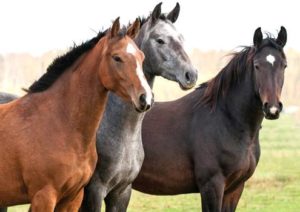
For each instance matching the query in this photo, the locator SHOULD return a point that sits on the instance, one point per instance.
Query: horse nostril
(265, 106)
(143, 100)
(188, 76)
(280, 106)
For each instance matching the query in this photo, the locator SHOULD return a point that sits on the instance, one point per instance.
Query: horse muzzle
(145, 103)
(272, 111)
(188, 80)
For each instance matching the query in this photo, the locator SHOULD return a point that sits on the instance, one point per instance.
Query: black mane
(229, 76)
(61, 63)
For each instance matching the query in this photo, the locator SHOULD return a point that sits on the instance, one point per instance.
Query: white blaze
(273, 110)
(130, 49)
(144, 82)
(139, 71)
(271, 59)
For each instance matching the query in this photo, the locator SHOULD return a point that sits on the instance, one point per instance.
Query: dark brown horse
(47, 138)
(207, 141)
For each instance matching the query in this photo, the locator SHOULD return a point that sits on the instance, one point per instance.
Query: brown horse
(207, 141)
(47, 138)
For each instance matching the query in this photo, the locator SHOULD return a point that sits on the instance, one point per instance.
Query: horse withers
(47, 139)
(208, 140)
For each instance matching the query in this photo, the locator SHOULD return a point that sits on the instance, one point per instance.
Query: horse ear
(173, 15)
(258, 37)
(134, 29)
(156, 12)
(282, 37)
(115, 28)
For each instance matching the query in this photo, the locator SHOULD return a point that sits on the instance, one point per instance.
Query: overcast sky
(37, 26)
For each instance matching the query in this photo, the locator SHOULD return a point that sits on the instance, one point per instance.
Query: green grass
(274, 187)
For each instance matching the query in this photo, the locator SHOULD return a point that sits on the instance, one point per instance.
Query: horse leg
(117, 201)
(71, 205)
(230, 200)
(44, 200)
(212, 194)
(93, 197)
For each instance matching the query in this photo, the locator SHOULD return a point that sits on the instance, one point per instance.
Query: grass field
(275, 186)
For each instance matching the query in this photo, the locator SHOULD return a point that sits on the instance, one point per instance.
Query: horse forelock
(271, 42)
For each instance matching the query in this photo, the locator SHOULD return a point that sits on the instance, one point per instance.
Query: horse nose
(145, 104)
(265, 107)
(188, 77)
(272, 110)
(191, 77)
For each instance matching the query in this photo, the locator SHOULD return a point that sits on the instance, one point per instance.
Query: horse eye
(117, 58)
(256, 67)
(160, 41)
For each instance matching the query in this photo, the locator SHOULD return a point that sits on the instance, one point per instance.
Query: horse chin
(185, 87)
(271, 116)
(139, 110)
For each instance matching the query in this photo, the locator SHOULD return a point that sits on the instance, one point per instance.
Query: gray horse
(119, 144)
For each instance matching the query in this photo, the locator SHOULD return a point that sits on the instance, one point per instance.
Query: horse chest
(120, 150)
(77, 172)
(130, 161)
(244, 166)
(124, 167)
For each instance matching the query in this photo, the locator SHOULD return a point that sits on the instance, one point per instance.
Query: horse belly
(166, 179)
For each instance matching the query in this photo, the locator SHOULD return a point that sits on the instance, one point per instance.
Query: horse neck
(80, 97)
(242, 105)
(121, 118)
(148, 72)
